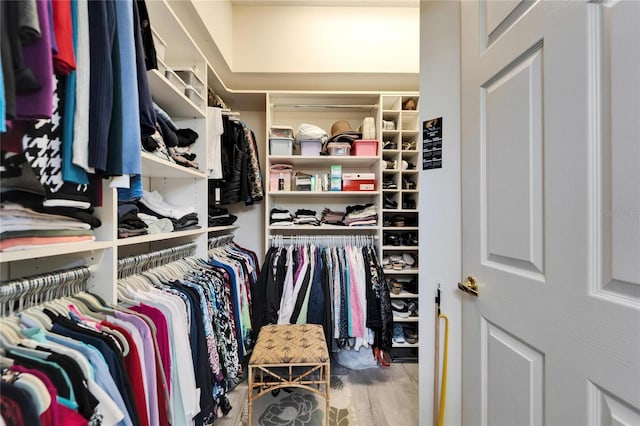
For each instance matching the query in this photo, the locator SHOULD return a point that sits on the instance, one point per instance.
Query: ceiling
(329, 3)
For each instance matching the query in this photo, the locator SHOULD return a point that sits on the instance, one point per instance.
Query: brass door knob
(470, 285)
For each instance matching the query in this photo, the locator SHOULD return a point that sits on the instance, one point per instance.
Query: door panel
(620, 94)
(551, 212)
(511, 116)
(514, 376)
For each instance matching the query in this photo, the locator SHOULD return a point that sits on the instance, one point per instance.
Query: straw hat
(340, 126)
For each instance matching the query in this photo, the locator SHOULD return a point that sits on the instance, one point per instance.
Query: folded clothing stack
(306, 217)
(220, 216)
(280, 217)
(361, 215)
(332, 217)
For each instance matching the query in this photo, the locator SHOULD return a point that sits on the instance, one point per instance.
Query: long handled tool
(440, 395)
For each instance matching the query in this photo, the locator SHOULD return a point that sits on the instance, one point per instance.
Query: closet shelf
(325, 160)
(323, 194)
(170, 98)
(153, 166)
(401, 271)
(324, 227)
(54, 250)
(159, 237)
(405, 345)
(404, 295)
(400, 228)
(222, 228)
(403, 319)
(400, 248)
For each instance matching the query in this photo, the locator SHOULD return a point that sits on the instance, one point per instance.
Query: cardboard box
(358, 182)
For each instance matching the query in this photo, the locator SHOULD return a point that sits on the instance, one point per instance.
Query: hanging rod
(327, 240)
(220, 240)
(142, 262)
(36, 289)
(326, 106)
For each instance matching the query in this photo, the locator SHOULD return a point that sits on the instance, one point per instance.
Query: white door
(551, 212)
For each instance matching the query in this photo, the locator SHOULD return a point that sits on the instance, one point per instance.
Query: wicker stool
(291, 355)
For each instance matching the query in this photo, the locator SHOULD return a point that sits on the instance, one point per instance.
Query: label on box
(367, 187)
(355, 176)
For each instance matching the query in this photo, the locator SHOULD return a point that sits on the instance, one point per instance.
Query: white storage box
(193, 95)
(310, 147)
(190, 78)
(175, 80)
(280, 146)
(281, 131)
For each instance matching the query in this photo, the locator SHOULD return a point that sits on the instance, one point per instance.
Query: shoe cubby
(400, 230)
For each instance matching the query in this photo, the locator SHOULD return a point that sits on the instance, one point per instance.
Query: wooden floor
(382, 396)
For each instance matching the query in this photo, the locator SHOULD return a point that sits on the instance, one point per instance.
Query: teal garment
(71, 172)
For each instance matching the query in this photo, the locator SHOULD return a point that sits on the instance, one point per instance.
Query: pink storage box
(363, 147)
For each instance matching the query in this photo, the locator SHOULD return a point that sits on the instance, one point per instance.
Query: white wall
(218, 16)
(324, 39)
(440, 223)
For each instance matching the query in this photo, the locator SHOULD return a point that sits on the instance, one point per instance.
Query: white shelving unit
(177, 185)
(400, 172)
(320, 109)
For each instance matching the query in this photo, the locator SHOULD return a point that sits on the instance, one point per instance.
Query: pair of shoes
(410, 333)
(409, 145)
(408, 204)
(398, 333)
(400, 308)
(390, 145)
(409, 105)
(410, 286)
(412, 308)
(408, 184)
(410, 239)
(396, 287)
(388, 125)
(382, 357)
(389, 184)
(390, 239)
(406, 165)
(408, 259)
(390, 164)
(389, 203)
(398, 221)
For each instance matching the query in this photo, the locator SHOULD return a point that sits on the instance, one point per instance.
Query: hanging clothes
(340, 287)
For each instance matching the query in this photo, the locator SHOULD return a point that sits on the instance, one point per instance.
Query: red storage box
(364, 147)
(358, 182)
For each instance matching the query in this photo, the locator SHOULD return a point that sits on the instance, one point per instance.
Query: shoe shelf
(401, 271)
(399, 248)
(397, 318)
(400, 167)
(400, 228)
(404, 295)
(405, 345)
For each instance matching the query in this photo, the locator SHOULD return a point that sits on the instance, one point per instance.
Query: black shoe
(389, 203)
(409, 204)
(410, 239)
